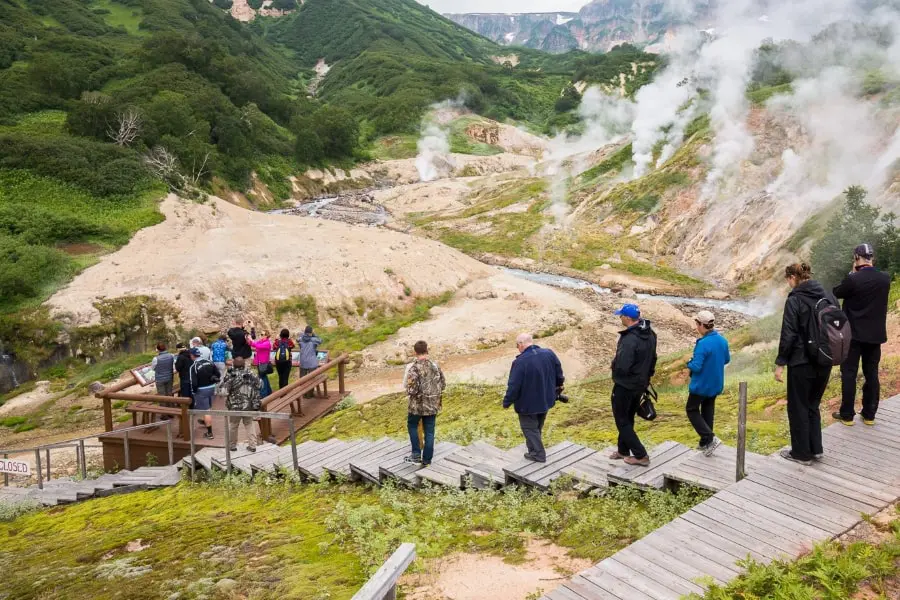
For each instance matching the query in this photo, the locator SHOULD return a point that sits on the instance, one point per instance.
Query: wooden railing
(114, 393)
(293, 392)
(383, 584)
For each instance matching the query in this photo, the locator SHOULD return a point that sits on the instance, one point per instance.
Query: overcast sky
(504, 6)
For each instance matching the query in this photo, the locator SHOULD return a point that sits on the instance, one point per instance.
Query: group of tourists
(235, 367)
(816, 335)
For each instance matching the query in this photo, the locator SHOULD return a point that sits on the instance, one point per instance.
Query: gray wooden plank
(818, 514)
(369, 468)
(724, 541)
(833, 507)
(818, 478)
(524, 467)
(869, 483)
(870, 435)
(588, 590)
(734, 533)
(652, 554)
(608, 581)
(834, 494)
(544, 477)
(787, 526)
(639, 581)
(599, 592)
(668, 577)
(850, 452)
(749, 525)
(674, 544)
(652, 476)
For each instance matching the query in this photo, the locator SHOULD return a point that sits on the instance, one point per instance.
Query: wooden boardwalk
(779, 511)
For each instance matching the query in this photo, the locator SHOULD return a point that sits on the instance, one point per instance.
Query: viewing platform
(155, 441)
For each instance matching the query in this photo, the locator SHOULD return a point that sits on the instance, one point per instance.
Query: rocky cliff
(598, 26)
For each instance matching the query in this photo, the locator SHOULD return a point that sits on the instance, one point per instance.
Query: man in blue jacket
(535, 381)
(707, 368)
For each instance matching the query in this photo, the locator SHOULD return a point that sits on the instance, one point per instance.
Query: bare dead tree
(164, 165)
(127, 127)
(198, 171)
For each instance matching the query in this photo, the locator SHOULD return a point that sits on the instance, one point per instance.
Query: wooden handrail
(109, 395)
(383, 584)
(118, 387)
(343, 358)
(157, 399)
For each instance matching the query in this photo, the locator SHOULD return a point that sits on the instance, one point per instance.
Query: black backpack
(283, 353)
(828, 339)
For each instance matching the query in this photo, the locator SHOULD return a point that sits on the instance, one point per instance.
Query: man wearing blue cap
(865, 292)
(632, 368)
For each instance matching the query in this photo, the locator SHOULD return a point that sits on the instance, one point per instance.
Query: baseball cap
(864, 251)
(194, 351)
(705, 317)
(629, 310)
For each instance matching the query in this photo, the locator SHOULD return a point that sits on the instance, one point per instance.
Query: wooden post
(127, 453)
(742, 432)
(107, 414)
(186, 424)
(37, 463)
(341, 387)
(293, 445)
(265, 425)
(83, 459)
(48, 464)
(228, 445)
(193, 451)
(169, 441)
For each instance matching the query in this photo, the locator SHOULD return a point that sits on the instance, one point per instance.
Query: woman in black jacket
(806, 379)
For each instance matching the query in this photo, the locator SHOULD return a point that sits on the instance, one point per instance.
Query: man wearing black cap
(865, 293)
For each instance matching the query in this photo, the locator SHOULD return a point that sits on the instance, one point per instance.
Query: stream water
(753, 308)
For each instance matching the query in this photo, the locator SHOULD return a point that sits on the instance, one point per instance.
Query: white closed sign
(14, 467)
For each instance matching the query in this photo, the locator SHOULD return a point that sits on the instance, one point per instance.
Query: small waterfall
(13, 372)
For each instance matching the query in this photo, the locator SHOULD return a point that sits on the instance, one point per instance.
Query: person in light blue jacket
(707, 368)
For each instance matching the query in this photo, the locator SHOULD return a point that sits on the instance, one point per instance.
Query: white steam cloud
(434, 160)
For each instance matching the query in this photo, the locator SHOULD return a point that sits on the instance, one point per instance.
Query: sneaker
(413, 460)
(786, 454)
(208, 435)
(711, 447)
(530, 456)
(837, 417)
(251, 448)
(640, 462)
(616, 456)
(233, 448)
(818, 456)
(869, 422)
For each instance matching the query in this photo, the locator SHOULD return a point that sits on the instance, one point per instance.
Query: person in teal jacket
(707, 368)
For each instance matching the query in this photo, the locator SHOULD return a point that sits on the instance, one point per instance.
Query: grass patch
(508, 236)
(119, 15)
(612, 164)
(395, 147)
(12, 422)
(45, 122)
(461, 143)
(762, 95)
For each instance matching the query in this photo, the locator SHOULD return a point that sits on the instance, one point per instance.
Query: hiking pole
(742, 431)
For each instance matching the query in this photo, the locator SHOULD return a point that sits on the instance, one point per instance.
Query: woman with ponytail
(806, 378)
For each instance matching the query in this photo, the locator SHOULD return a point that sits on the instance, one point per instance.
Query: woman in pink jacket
(261, 359)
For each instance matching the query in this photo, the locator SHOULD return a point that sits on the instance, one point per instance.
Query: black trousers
(701, 412)
(805, 386)
(624, 407)
(871, 391)
(532, 428)
(283, 367)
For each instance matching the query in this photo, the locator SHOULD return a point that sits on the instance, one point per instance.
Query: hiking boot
(530, 456)
(208, 435)
(251, 448)
(416, 460)
(837, 417)
(786, 454)
(711, 447)
(869, 422)
(233, 448)
(616, 456)
(640, 462)
(818, 456)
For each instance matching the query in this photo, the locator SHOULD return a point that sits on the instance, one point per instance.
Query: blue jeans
(266, 387)
(412, 425)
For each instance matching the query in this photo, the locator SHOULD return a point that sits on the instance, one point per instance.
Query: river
(753, 308)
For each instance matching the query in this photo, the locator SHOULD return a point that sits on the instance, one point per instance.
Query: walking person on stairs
(865, 293)
(632, 368)
(806, 378)
(535, 382)
(240, 389)
(203, 376)
(424, 382)
(707, 368)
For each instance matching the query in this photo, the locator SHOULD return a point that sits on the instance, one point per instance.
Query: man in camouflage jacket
(425, 385)
(240, 387)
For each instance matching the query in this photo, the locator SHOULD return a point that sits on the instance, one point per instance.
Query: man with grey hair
(535, 381)
(205, 352)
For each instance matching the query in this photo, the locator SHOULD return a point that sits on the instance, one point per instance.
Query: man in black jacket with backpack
(632, 368)
(865, 293)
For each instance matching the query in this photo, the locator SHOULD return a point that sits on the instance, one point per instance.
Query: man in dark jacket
(535, 381)
(865, 293)
(240, 340)
(183, 364)
(203, 376)
(632, 368)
